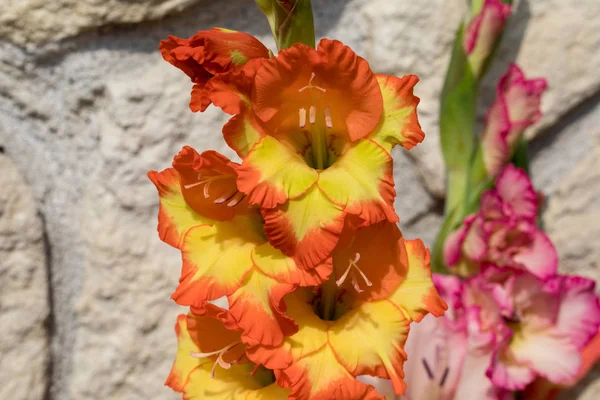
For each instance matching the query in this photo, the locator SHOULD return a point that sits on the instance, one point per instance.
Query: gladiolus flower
(448, 356)
(315, 129)
(541, 326)
(503, 232)
(225, 251)
(366, 332)
(211, 362)
(517, 106)
(483, 31)
(209, 53)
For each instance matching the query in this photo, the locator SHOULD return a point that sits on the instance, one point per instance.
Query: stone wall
(87, 106)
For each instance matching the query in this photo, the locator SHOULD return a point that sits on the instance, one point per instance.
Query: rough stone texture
(84, 118)
(31, 22)
(24, 300)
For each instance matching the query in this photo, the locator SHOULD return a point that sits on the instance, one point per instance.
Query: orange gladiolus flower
(209, 53)
(225, 251)
(204, 345)
(315, 129)
(366, 332)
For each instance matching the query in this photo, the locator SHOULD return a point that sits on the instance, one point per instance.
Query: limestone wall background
(87, 106)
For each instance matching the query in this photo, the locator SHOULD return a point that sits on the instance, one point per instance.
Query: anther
(302, 112)
(236, 199)
(313, 114)
(328, 121)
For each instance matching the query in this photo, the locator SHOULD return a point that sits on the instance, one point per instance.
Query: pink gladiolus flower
(503, 232)
(517, 106)
(447, 356)
(482, 32)
(540, 326)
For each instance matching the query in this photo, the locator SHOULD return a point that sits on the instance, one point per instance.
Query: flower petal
(273, 263)
(549, 353)
(369, 340)
(540, 257)
(257, 308)
(361, 181)
(306, 228)
(399, 124)
(515, 188)
(197, 334)
(343, 83)
(377, 252)
(579, 312)
(209, 271)
(208, 184)
(416, 296)
(319, 376)
(175, 216)
(273, 172)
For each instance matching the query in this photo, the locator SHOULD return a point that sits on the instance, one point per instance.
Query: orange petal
(273, 263)
(361, 181)
(216, 258)
(374, 257)
(399, 123)
(274, 172)
(208, 183)
(306, 228)
(257, 307)
(330, 78)
(175, 216)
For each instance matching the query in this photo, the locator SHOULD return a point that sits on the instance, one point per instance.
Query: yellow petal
(362, 183)
(175, 217)
(369, 340)
(399, 123)
(216, 258)
(274, 172)
(416, 296)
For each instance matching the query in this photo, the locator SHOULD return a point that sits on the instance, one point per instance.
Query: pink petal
(496, 151)
(515, 188)
(540, 257)
(436, 351)
(475, 244)
(474, 384)
(508, 374)
(549, 353)
(579, 314)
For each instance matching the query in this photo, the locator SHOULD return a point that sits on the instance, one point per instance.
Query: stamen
(206, 194)
(302, 112)
(236, 200)
(427, 369)
(313, 114)
(226, 197)
(220, 361)
(443, 380)
(328, 121)
(354, 281)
